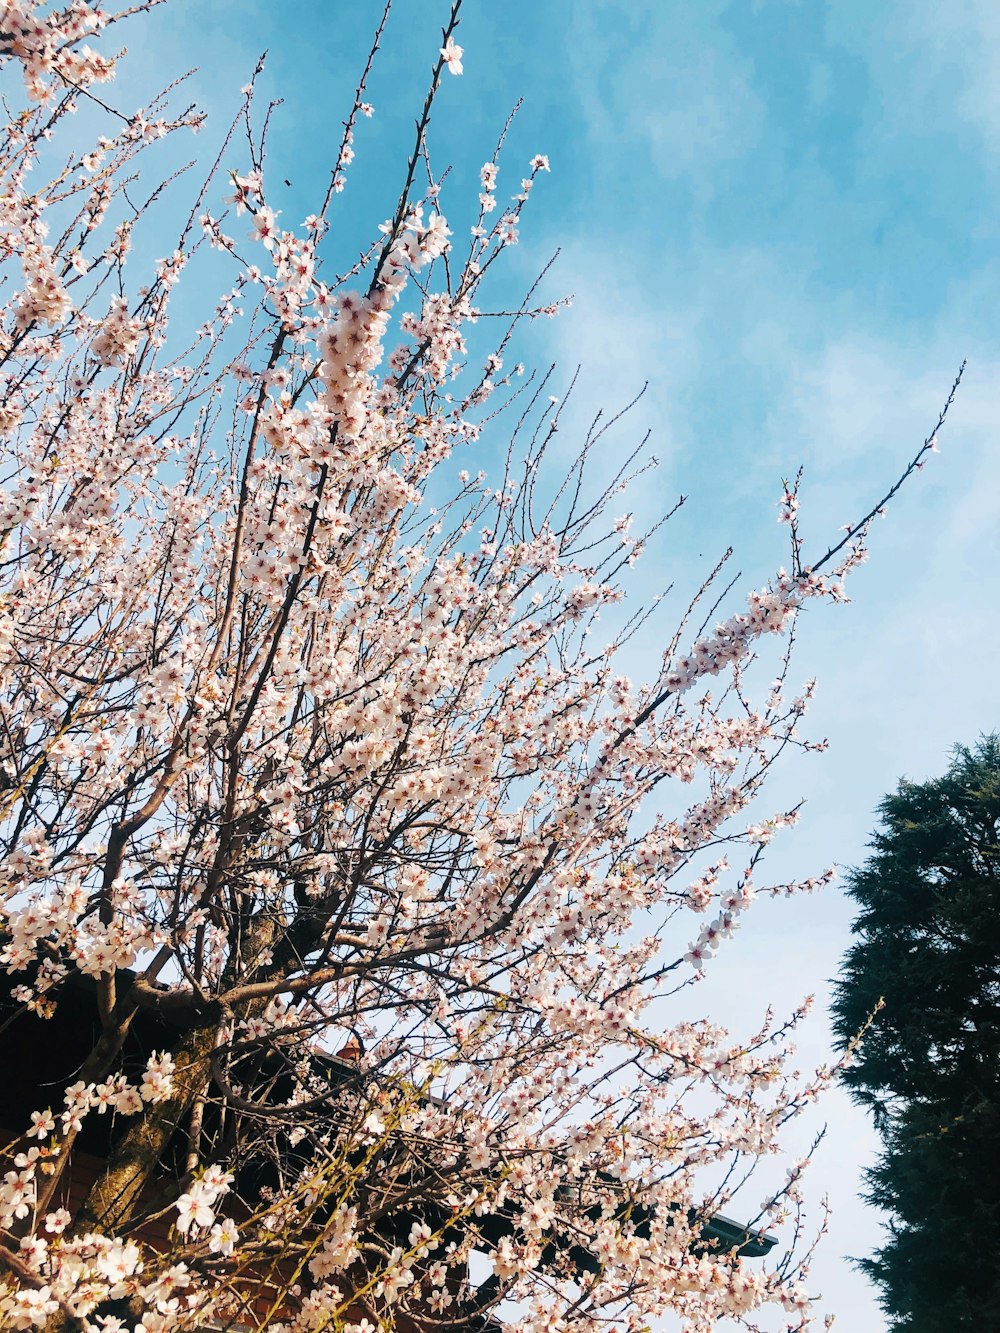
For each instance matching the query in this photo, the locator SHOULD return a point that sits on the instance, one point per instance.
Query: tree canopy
(354, 875)
(927, 949)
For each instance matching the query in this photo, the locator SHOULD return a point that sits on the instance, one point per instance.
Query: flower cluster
(322, 779)
(196, 1207)
(48, 45)
(119, 335)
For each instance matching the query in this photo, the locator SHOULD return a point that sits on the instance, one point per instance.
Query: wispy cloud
(677, 87)
(938, 63)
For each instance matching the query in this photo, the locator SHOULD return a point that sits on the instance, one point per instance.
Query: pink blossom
(452, 54)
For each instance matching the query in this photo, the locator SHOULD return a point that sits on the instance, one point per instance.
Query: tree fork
(113, 1199)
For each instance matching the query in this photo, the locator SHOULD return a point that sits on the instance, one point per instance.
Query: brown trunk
(114, 1196)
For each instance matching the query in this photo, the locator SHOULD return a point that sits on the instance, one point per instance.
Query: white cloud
(933, 63)
(696, 106)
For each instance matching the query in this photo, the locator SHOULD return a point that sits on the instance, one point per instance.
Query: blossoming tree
(313, 755)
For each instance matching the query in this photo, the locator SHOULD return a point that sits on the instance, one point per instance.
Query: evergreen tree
(928, 947)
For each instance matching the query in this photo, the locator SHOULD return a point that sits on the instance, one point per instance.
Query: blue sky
(784, 216)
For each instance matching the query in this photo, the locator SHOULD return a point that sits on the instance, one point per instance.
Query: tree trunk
(114, 1197)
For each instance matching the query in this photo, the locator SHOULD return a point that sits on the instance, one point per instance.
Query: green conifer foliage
(927, 945)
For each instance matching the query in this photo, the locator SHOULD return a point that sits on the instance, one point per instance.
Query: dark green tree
(927, 946)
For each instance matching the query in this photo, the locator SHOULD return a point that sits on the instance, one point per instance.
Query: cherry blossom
(325, 782)
(452, 53)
